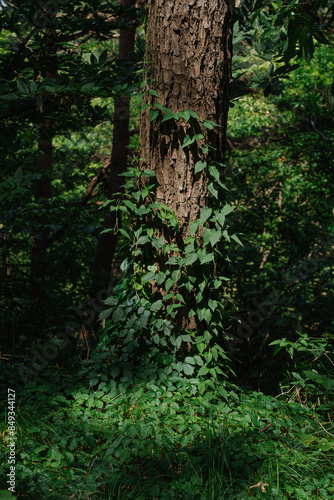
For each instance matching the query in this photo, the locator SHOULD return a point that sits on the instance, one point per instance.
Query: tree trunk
(189, 49)
(118, 163)
(189, 45)
(107, 241)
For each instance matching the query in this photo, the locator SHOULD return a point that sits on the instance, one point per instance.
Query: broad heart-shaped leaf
(153, 114)
(185, 114)
(204, 257)
(168, 116)
(203, 370)
(169, 283)
(142, 240)
(227, 209)
(213, 190)
(220, 218)
(190, 259)
(148, 277)
(188, 141)
(204, 315)
(157, 305)
(205, 214)
(161, 107)
(199, 166)
(193, 228)
(173, 261)
(157, 243)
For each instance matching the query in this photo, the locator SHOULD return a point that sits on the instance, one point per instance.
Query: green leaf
(153, 114)
(185, 114)
(227, 209)
(190, 259)
(22, 87)
(168, 116)
(235, 238)
(173, 261)
(194, 115)
(203, 371)
(143, 240)
(161, 107)
(210, 124)
(148, 277)
(204, 257)
(157, 305)
(169, 283)
(153, 92)
(188, 141)
(213, 190)
(105, 314)
(214, 172)
(193, 228)
(204, 315)
(148, 173)
(220, 218)
(157, 243)
(205, 214)
(199, 166)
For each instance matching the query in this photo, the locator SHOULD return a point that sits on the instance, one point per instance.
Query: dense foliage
(240, 407)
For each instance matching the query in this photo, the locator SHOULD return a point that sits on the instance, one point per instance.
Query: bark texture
(189, 46)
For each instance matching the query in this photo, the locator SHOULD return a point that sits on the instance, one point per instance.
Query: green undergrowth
(155, 439)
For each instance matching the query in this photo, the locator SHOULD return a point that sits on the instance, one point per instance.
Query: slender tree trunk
(107, 241)
(190, 46)
(41, 240)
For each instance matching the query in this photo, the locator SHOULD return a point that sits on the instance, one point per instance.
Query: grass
(155, 440)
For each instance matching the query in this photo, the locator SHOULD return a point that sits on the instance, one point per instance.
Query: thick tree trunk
(189, 44)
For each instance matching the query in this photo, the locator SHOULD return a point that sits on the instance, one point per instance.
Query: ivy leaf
(143, 240)
(203, 370)
(157, 243)
(169, 283)
(173, 261)
(161, 107)
(199, 166)
(213, 190)
(227, 209)
(148, 277)
(153, 114)
(190, 259)
(157, 305)
(204, 315)
(193, 228)
(205, 214)
(188, 141)
(235, 238)
(168, 116)
(186, 114)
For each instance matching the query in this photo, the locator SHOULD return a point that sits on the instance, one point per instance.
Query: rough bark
(189, 45)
